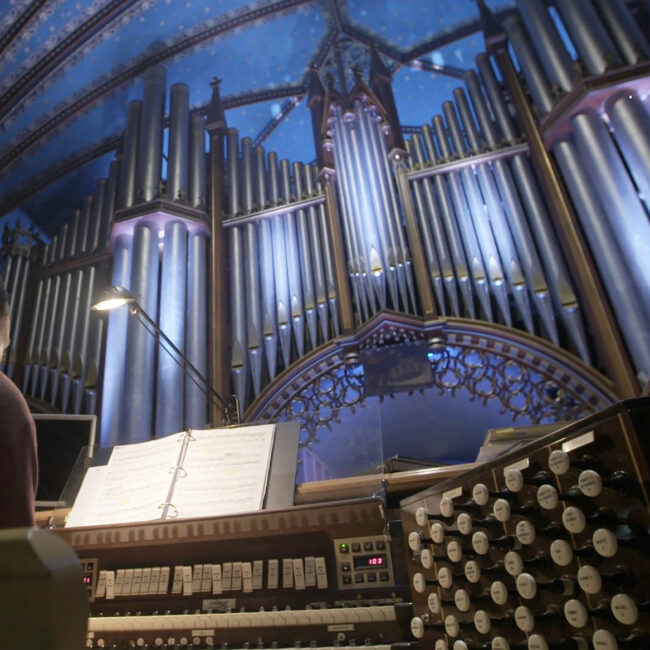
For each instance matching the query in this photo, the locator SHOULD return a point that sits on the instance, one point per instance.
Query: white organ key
(426, 558)
(514, 480)
(137, 581)
(446, 507)
(574, 519)
(321, 573)
(206, 579)
(526, 586)
(273, 574)
(464, 523)
(576, 613)
(298, 574)
(452, 627)
(310, 571)
(236, 576)
(145, 585)
(421, 517)
(258, 574)
(177, 582)
(128, 582)
(187, 581)
(501, 510)
(547, 497)
(287, 573)
(197, 578)
(480, 494)
(437, 532)
(624, 609)
(217, 584)
(590, 483)
(119, 581)
(559, 462)
(110, 585)
(100, 590)
(247, 577)
(445, 577)
(524, 619)
(226, 576)
(163, 583)
(589, 579)
(605, 542)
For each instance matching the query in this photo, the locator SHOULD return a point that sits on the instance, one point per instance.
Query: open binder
(196, 473)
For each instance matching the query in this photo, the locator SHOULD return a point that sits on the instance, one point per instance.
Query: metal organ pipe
(108, 207)
(239, 364)
(129, 157)
(282, 297)
(79, 358)
(37, 318)
(630, 121)
(293, 263)
(179, 143)
(634, 316)
(72, 316)
(494, 134)
(267, 269)
(150, 143)
(171, 319)
(552, 53)
(67, 247)
(84, 224)
(196, 334)
(306, 264)
(197, 162)
(530, 65)
(596, 48)
(97, 214)
(424, 228)
(479, 218)
(137, 398)
(627, 218)
(316, 246)
(252, 271)
(496, 216)
(629, 39)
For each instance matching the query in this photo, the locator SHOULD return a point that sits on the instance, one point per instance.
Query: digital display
(370, 561)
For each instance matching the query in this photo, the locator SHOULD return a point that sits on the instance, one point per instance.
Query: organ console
(567, 567)
(524, 552)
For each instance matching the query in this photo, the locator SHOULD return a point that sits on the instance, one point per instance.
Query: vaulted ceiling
(69, 67)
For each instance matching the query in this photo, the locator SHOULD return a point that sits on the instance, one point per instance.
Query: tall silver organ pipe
(281, 274)
(108, 206)
(89, 211)
(306, 263)
(618, 194)
(58, 326)
(267, 268)
(531, 68)
(634, 315)
(67, 247)
(169, 399)
(629, 119)
(238, 324)
(585, 27)
(37, 318)
(196, 334)
(96, 216)
(197, 161)
(129, 157)
(627, 35)
(150, 143)
(552, 53)
(137, 399)
(179, 143)
(252, 271)
(80, 348)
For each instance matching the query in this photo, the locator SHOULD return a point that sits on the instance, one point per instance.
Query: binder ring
(173, 513)
(181, 471)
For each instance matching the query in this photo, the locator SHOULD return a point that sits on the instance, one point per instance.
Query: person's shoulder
(10, 395)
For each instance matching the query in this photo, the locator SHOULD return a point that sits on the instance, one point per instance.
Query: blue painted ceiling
(69, 67)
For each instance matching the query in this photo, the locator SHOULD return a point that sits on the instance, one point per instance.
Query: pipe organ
(473, 224)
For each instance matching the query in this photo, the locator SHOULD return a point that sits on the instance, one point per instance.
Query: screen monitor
(60, 440)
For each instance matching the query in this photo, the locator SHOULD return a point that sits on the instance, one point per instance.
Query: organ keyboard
(313, 576)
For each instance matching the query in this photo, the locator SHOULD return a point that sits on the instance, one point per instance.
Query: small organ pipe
(196, 333)
(530, 65)
(37, 317)
(552, 53)
(170, 397)
(197, 162)
(96, 216)
(59, 328)
(630, 121)
(137, 399)
(80, 351)
(634, 316)
(40, 357)
(246, 175)
(73, 315)
(239, 362)
(108, 207)
(488, 128)
(150, 143)
(129, 159)
(627, 35)
(84, 225)
(618, 196)
(596, 48)
(179, 143)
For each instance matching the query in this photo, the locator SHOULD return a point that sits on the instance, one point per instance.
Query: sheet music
(135, 483)
(226, 471)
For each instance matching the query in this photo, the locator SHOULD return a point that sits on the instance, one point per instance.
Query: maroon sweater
(18, 460)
